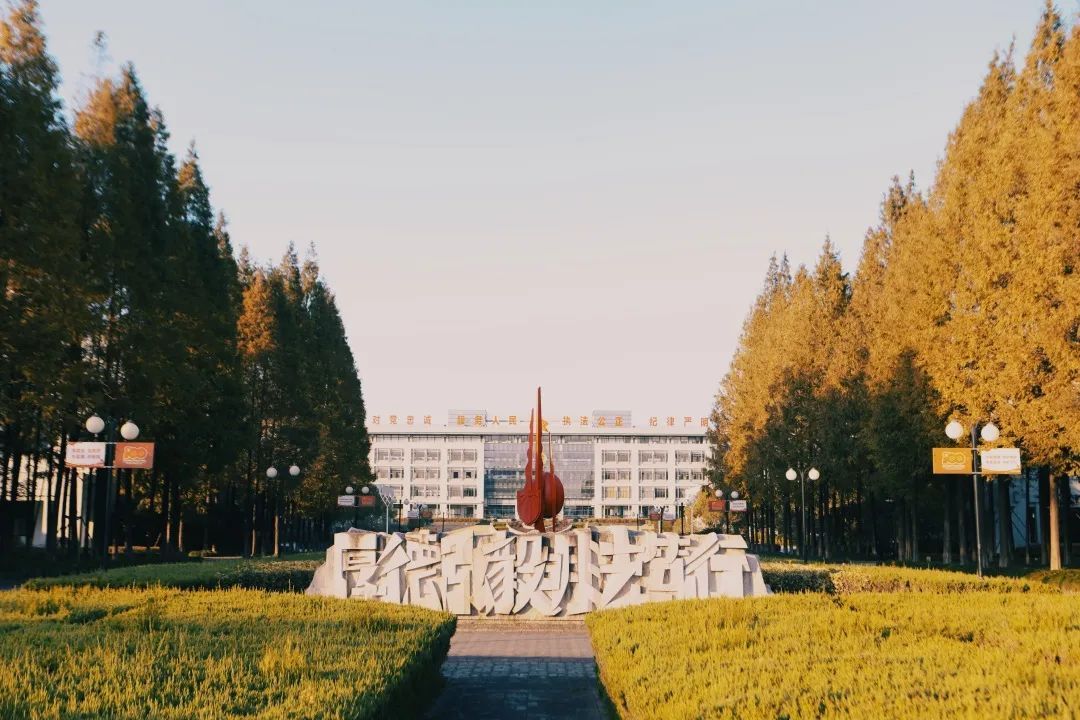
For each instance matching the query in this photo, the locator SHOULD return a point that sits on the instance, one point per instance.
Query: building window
(425, 491)
(462, 455)
(682, 475)
(681, 457)
(617, 492)
(652, 475)
(425, 473)
(389, 473)
(653, 493)
(457, 491)
(426, 455)
(614, 456)
(462, 473)
(652, 456)
(697, 475)
(697, 457)
(680, 493)
(613, 475)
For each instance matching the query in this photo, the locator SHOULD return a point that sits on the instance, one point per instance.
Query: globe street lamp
(989, 433)
(95, 425)
(129, 430)
(791, 475)
(727, 510)
(271, 474)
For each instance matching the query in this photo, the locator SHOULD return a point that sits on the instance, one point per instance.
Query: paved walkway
(501, 670)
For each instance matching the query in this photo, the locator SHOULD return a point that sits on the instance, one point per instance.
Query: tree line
(122, 297)
(965, 305)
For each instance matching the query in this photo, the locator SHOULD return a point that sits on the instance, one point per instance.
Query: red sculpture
(543, 495)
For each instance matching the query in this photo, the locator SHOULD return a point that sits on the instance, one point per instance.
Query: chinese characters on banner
(85, 454)
(132, 455)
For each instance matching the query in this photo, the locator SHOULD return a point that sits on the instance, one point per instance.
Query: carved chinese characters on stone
(482, 571)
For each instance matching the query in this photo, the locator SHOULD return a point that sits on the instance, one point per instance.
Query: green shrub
(17, 564)
(255, 574)
(845, 579)
(864, 655)
(1067, 580)
(162, 653)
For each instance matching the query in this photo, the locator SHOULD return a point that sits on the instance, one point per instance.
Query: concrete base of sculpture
(479, 570)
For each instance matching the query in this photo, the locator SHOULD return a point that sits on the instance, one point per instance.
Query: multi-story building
(474, 465)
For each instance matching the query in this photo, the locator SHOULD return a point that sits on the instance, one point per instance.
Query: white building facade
(473, 466)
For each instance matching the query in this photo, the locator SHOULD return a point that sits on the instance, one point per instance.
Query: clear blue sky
(578, 194)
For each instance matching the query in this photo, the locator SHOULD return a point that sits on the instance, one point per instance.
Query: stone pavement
(536, 671)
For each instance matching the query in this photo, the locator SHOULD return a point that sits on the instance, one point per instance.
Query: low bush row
(845, 579)
(163, 653)
(860, 655)
(254, 574)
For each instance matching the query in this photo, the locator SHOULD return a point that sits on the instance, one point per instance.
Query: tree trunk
(963, 510)
(75, 489)
(166, 516)
(1027, 518)
(1055, 530)
(1044, 515)
(946, 527)
(129, 511)
(914, 522)
(1004, 521)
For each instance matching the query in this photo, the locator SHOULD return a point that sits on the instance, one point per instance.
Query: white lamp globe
(349, 490)
(791, 474)
(366, 490)
(129, 430)
(94, 424)
(813, 474)
(990, 432)
(294, 470)
(734, 494)
(271, 472)
(719, 493)
(954, 430)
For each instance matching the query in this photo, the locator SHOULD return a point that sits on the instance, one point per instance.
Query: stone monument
(528, 571)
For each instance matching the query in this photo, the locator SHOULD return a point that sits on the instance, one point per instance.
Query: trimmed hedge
(865, 655)
(161, 653)
(276, 575)
(1065, 580)
(846, 579)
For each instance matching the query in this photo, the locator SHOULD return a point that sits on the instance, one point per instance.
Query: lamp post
(719, 496)
(727, 509)
(813, 474)
(989, 433)
(271, 474)
(349, 490)
(128, 431)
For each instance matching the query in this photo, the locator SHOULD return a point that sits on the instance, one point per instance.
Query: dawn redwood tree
(41, 291)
